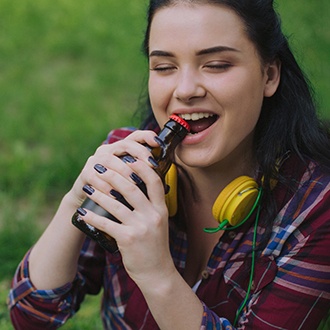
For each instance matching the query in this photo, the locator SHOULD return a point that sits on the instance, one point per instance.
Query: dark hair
(288, 119)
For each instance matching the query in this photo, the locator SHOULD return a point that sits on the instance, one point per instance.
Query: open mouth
(199, 122)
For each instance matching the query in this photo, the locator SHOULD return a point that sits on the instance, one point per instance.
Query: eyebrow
(206, 51)
(217, 49)
(161, 53)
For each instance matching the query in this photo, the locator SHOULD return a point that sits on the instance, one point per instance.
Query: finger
(154, 186)
(133, 145)
(124, 194)
(144, 137)
(102, 223)
(101, 175)
(107, 205)
(101, 178)
(95, 172)
(126, 236)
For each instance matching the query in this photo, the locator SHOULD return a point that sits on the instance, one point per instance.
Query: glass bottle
(168, 138)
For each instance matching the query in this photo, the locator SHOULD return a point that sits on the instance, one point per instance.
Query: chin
(193, 159)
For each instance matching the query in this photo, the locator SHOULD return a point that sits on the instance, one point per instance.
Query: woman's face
(204, 68)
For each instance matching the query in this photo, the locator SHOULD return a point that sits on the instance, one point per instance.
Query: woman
(226, 68)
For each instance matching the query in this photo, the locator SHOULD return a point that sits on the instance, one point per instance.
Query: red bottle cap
(181, 121)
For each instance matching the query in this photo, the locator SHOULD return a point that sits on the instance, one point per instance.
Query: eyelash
(221, 67)
(163, 69)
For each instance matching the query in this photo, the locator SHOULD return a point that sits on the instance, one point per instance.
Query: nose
(189, 86)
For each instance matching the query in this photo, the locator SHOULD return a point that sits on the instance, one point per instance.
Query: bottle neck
(169, 138)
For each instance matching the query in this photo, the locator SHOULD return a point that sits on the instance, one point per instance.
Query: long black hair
(288, 119)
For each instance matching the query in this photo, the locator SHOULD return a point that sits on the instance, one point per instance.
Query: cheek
(159, 93)
(241, 99)
(240, 93)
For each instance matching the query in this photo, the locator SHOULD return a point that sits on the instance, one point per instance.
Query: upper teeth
(195, 115)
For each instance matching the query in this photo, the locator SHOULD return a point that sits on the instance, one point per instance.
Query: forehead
(196, 23)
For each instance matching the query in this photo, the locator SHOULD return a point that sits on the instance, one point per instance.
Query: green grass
(306, 24)
(69, 72)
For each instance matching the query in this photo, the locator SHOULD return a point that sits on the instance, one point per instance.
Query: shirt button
(205, 274)
(232, 234)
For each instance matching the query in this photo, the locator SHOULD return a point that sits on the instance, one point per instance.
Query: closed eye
(165, 68)
(218, 66)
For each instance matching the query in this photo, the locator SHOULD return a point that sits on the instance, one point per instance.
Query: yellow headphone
(232, 207)
(171, 198)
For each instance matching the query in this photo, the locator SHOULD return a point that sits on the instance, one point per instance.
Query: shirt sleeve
(35, 309)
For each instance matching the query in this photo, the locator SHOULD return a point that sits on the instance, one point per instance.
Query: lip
(191, 139)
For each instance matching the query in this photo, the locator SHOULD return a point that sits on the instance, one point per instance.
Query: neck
(208, 182)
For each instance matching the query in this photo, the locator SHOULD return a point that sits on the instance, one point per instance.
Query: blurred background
(70, 71)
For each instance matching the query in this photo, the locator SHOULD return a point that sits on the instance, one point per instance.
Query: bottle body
(169, 137)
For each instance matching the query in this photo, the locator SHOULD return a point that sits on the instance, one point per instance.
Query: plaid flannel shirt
(291, 284)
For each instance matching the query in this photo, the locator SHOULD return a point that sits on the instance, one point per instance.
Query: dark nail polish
(159, 141)
(128, 159)
(153, 162)
(82, 211)
(136, 178)
(119, 197)
(116, 194)
(100, 168)
(88, 189)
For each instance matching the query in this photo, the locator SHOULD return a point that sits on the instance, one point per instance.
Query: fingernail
(88, 189)
(119, 197)
(159, 141)
(153, 162)
(100, 168)
(136, 178)
(82, 211)
(116, 194)
(128, 159)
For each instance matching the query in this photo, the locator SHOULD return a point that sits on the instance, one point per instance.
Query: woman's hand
(142, 236)
(107, 155)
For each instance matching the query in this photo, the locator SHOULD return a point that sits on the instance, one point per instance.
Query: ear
(273, 76)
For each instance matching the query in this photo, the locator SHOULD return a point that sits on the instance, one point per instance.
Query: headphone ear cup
(171, 198)
(236, 200)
